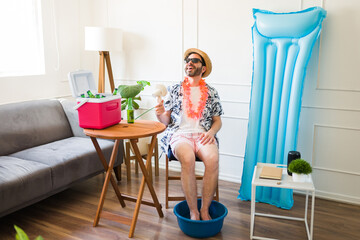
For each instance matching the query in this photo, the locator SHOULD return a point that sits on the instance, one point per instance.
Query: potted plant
(21, 235)
(300, 169)
(129, 94)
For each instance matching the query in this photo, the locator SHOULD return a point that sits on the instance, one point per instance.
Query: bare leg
(185, 154)
(209, 154)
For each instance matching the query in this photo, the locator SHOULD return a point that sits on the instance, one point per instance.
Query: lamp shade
(103, 39)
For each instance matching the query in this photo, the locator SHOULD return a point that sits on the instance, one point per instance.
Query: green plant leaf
(300, 166)
(39, 238)
(135, 105)
(143, 84)
(20, 234)
(130, 91)
(121, 87)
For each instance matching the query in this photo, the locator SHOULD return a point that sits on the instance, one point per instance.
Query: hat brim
(204, 56)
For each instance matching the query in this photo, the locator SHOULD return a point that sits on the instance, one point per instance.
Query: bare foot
(194, 216)
(205, 215)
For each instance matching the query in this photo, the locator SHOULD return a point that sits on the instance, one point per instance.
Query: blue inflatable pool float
(198, 228)
(282, 45)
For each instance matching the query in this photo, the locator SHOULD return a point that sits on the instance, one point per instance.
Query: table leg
(108, 177)
(312, 214)
(105, 165)
(252, 221)
(306, 204)
(146, 179)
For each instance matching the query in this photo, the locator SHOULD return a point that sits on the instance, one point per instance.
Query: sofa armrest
(72, 116)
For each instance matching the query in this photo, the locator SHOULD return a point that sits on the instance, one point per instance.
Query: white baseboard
(337, 197)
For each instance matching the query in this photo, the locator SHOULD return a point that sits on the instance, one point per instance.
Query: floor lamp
(103, 40)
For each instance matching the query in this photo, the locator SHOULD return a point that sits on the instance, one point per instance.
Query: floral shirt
(173, 102)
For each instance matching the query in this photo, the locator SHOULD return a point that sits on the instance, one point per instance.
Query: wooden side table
(134, 131)
(285, 182)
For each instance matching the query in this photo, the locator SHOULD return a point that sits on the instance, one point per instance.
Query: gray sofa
(44, 151)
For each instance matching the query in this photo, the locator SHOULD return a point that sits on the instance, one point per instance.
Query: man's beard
(193, 73)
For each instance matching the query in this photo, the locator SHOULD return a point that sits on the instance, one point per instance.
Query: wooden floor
(70, 214)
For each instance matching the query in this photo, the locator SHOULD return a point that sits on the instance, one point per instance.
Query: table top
(124, 130)
(285, 182)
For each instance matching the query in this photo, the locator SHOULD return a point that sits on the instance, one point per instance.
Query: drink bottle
(130, 112)
(90, 94)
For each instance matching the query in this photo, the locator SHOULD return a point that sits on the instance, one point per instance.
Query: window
(21, 41)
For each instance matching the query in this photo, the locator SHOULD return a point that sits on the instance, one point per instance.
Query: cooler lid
(81, 81)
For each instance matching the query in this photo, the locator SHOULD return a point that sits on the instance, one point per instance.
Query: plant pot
(300, 177)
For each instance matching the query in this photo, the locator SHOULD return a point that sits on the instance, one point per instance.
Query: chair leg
(156, 152)
(166, 182)
(136, 167)
(127, 161)
(117, 171)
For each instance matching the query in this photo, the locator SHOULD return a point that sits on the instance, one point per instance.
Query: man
(191, 111)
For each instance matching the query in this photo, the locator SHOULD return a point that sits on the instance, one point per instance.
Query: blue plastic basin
(198, 228)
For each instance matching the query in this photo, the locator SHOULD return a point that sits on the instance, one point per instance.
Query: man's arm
(209, 136)
(216, 126)
(162, 115)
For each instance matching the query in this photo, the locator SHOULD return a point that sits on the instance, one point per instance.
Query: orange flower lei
(188, 104)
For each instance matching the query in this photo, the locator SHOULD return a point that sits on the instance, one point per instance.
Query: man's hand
(162, 115)
(207, 137)
(160, 109)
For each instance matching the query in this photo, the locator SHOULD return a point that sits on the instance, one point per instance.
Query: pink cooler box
(99, 113)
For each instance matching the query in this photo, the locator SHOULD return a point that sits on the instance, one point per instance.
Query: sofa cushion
(33, 123)
(69, 159)
(21, 181)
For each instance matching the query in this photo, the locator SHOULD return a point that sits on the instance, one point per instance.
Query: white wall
(329, 134)
(157, 32)
(160, 31)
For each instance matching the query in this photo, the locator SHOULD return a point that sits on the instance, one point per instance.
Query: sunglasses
(194, 60)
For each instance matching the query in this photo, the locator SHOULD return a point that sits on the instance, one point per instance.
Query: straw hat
(204, 56)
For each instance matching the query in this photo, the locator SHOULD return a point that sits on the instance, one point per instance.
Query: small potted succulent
(300, 170)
